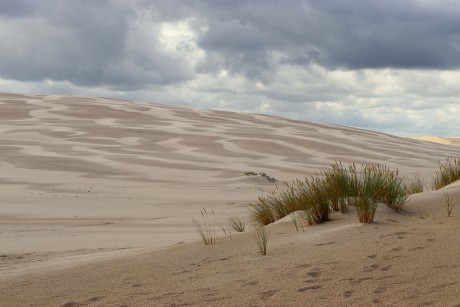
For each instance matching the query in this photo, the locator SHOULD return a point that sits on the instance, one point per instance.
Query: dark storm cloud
(116, 43)
(66, 40)
(88, 43)
(337, 34)
(397, 34)
(17, 8)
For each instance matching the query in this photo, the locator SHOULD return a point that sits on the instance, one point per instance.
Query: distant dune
(97, 197)
(440, 140)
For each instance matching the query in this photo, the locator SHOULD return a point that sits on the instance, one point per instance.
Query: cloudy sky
(391, 66)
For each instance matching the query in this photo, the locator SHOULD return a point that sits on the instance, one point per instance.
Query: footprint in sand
(95, 298)
(387, 268)
(327, 243)
(310, 288)
(269, 293)
(370, 268)
(245, 283)
(313, 273)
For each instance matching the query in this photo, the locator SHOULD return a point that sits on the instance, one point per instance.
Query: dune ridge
(92, 188)
(437, 139)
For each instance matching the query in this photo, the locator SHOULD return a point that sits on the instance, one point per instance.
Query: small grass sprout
(237, 224)
(262, 239)
(206, 229)
(450, 202)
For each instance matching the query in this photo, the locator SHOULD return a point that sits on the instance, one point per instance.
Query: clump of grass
(449, 172)
(261, 211)
(237, 224)
(206, 229)
(278, 203)
(338, 185)
(318, 201)
(451, 202)
(262, 239)
(250, 173)
(370, 184)
(386, 186)
(334, 190)
(415, 185)
(365, 207)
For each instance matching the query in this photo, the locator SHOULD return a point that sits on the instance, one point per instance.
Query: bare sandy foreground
(97, 197)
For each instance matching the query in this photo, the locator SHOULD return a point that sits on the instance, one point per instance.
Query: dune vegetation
(449, 172)
(334, 190)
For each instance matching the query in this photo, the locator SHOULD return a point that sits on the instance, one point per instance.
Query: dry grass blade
(262, 239)
(237, 224)
(206, 229)
(450, 202)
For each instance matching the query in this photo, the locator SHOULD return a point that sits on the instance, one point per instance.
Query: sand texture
(97, 197)
(440, 140)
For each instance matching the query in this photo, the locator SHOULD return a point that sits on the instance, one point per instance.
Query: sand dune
(440, 140)
(93, 190)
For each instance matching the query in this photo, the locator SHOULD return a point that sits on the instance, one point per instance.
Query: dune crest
(438, 139)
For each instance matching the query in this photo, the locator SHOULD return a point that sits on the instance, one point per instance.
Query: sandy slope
(440, 140)
(107, 181)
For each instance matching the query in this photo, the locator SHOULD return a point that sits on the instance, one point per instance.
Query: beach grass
(237, 224)
(415, 185)
(334, 190)
(450, 202)
(262, 239)
(206, 228)
(448, 172)
(261, 211)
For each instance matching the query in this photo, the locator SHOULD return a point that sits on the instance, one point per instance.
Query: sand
(437, 139)
(98, 195)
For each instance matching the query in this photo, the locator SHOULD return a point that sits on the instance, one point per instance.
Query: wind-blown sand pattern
(93, 190)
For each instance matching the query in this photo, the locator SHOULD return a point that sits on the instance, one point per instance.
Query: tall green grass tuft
(365, 207)
(368, 188)
(449, 172)
(385, 186)
(317, 210)
(279, 203)
(206, 229)
(415, 185)
(342, 184)
(261, 211)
